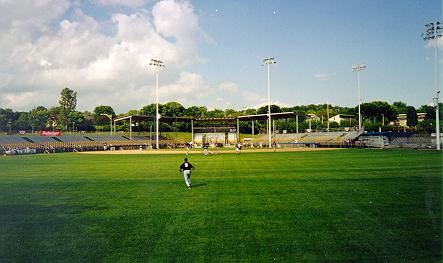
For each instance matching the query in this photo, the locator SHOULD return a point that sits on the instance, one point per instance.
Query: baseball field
(321, 206)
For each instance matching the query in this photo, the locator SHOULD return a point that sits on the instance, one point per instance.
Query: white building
(341, 117)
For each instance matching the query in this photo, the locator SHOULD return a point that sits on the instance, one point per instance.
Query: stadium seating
(75, 143)
(322, 139)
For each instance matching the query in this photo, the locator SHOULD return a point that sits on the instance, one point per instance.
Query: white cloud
(229, 87)
(40, 57)
(324, 76)
(130, 3)
(187, 89)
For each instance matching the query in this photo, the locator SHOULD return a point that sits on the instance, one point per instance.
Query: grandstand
(76, 143)
(316, 139)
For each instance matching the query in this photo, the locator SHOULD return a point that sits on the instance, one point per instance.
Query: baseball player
(186, 169)
(238, 148)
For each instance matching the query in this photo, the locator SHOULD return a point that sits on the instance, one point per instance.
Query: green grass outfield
(344, 205)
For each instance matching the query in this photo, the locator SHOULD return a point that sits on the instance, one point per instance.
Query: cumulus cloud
(45, 48)
(229, 87)
(188, 88)
(129, 3)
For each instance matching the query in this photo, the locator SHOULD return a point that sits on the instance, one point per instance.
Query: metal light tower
(358, 68)
(157, 64)
(433, 32)
(269, 61)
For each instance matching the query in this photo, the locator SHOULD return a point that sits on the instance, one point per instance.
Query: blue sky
(213, 52)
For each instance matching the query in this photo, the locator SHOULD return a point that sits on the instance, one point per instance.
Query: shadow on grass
(199, 185)
(46, 233)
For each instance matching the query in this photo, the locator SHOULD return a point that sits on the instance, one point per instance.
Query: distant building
(341, 117)
(312, 117)
(402, 119)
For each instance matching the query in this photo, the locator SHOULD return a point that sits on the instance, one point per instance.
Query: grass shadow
(198, 185)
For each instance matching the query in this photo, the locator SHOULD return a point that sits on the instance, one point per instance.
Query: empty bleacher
(76, 143)
(317, 139)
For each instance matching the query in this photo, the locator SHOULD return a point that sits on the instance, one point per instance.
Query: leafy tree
(250, 112)
(53, 120)
(39, 117)
(7, 118)
(411, 116)
(429, 110)
(173, 109)
(134, 112)
(264, 109)
(68, 102)
(216, 113)
(85, 121)
(196, 111)
(231, 113)
(23, 123)
(400, 106)
(100, 113)
(102, 109)
(150, 110)
(376, 110)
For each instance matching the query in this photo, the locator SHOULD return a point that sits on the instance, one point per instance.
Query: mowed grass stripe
(346, 205)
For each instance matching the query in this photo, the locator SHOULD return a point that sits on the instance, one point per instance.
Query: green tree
(103, 109)
(173, 109)
(400, 106)
(100, 115)
(39, 117)
(149, 110)
(231, 113)
(264, 109)
(215, 113)
(250, 112)
(23, 121)
(68, 102)
(376, 110)
(429, 110)
(196, 111)
(53, 120)
(411, 116)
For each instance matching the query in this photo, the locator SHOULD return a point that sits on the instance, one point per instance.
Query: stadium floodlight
(110, 121)
(269, 61)
(357, 68)
(157, 64)
(433, 31)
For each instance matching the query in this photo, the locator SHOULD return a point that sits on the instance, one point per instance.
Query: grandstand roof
(275, 116)
(280, 115)
(152, 118)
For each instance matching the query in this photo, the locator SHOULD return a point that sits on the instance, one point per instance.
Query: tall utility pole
(157, 64)
(269, 61)
(358, 68)
(327, 114)
(433, 32)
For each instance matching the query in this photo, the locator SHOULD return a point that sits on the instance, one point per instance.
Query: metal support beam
(238, 130)
(130, 128)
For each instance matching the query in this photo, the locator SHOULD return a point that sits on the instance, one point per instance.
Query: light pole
(110, 121)
(269, 61)
(433, 32)
(155, 63)
(358, 68)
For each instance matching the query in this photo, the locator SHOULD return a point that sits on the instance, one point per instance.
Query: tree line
(65, 117)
